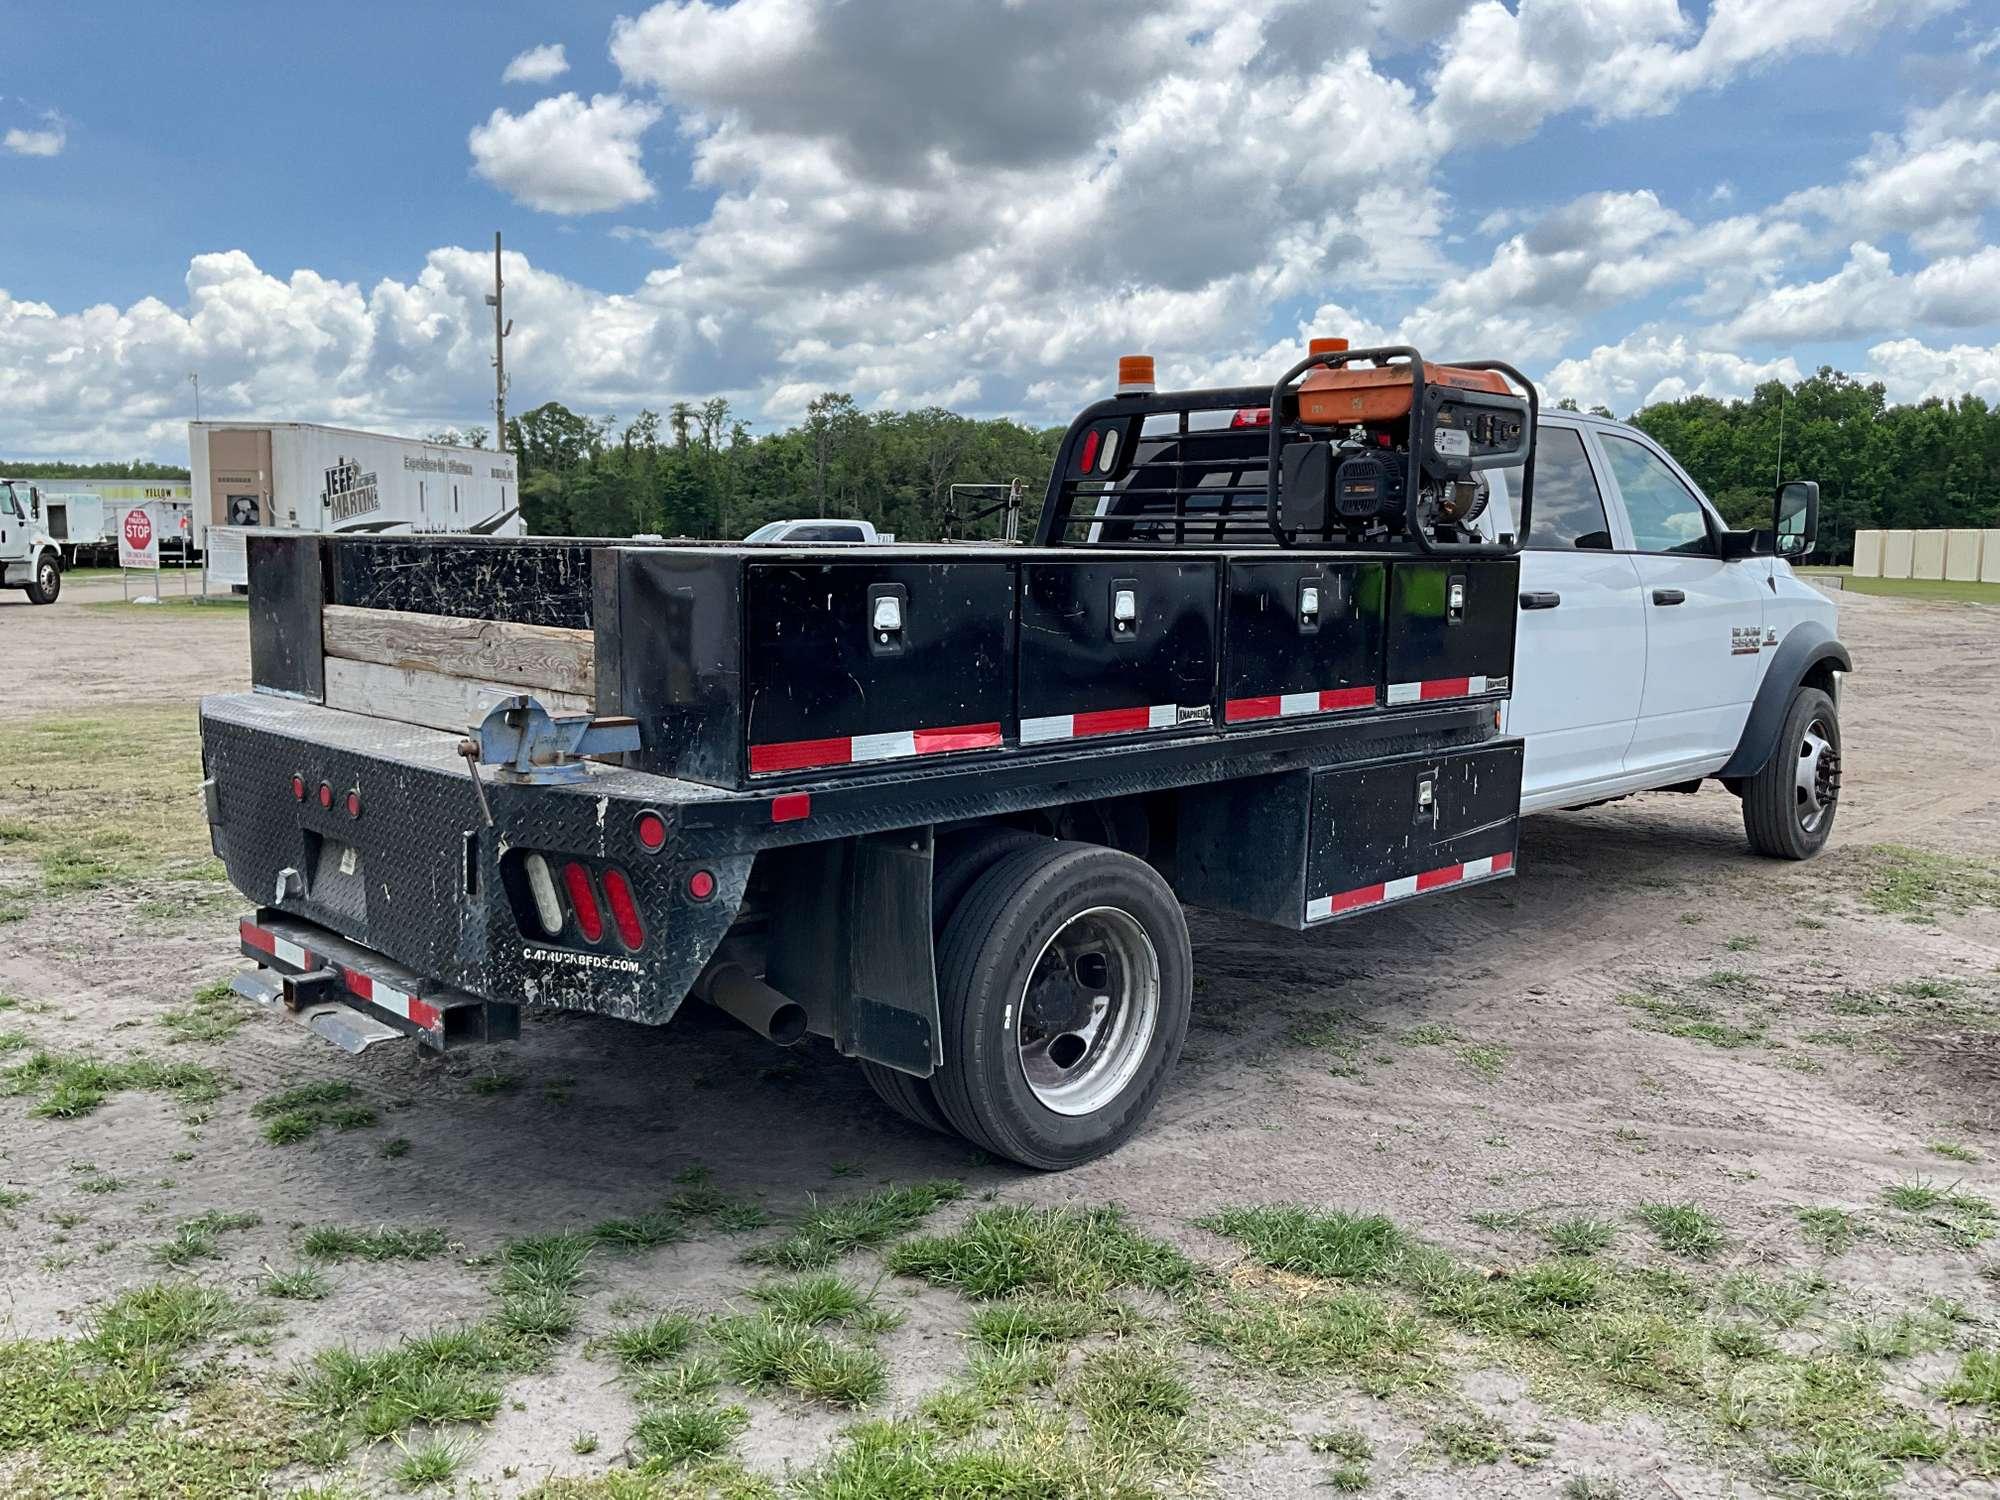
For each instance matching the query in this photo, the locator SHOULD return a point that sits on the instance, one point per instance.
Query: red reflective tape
(1502, 862)
(1351, 697)
(796, 755)
(1430, 880)
(1445, 687)
(1238, 709)
(425, 1014)
(791, 807)
(257, 937)
(359, 983)
(964, 737)
(1367, 895)
(1112, 720)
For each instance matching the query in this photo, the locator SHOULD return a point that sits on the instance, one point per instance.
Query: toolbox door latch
(1124, 609)
(888, 619)
(1454, 599)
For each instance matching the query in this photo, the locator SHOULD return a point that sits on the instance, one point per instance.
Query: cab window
(1569, 510)
(825, 534)
(1664, 513)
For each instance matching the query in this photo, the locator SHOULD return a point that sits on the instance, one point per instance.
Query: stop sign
(138, 530)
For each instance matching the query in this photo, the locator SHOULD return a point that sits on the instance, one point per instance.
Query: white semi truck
(29, 557)
(299, 476)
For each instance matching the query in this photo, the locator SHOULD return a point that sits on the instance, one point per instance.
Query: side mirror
(1795, 518)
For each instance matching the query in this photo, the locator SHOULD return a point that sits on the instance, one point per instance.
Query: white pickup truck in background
(819, 529)
(1658, 648)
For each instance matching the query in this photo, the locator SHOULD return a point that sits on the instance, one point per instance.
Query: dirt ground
(1646, 1014)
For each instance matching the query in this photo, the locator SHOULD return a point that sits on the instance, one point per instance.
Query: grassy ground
(93, 799)
(171, 603)
(1911, 588)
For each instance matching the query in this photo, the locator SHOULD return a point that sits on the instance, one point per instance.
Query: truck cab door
(1704, 616)
(1580, 656)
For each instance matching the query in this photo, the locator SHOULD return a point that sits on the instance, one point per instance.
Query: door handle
(1543, 600)
(1669, 596)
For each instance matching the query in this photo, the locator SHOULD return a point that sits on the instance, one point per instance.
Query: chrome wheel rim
(48, 578)
(1818, 777)
(1088, 1011)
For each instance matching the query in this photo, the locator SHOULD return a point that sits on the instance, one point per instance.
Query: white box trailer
(299, 476)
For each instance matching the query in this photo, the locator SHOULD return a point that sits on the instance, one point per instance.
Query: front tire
(1064, 981)
(1789, 806)
(47, 582)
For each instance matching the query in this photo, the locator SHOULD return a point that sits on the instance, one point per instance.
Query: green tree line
(700, 472)
(1935, 463)
(137, 468)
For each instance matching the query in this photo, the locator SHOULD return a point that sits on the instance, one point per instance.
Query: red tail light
(1090, 441)
(298, 787)
(1252, 416)
(701, 885)
(624, 910)
(583, 901)
(354, 804)
(652, 829)
(326, 795)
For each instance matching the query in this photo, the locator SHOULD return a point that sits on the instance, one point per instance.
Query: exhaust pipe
(735, 991)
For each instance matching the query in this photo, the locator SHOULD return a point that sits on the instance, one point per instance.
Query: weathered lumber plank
(530, 656)
(413, 696)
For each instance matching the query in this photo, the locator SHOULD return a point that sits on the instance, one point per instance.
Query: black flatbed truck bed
(864, 778)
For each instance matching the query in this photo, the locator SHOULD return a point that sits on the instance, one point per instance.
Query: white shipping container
(299, 476)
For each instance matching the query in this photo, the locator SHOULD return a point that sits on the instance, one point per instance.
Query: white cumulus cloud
(48, 142)
(541, 64)
(566, 155)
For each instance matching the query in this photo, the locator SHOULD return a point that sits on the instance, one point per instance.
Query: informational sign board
(138, 538)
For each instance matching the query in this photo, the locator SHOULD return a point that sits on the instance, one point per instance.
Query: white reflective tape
(1040, 731)
(1405, 692)
(1405, 885)
(1298, 703)
(1319, 908)
(1475, 684)
(290, 953)
(1163, 715)
(1474, 868)
(891, 745)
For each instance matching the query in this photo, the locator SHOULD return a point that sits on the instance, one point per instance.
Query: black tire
(47, 583)
(1004, 935)
(1784, 817)
(961, 859)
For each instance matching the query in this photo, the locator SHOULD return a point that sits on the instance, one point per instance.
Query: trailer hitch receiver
(530, 746)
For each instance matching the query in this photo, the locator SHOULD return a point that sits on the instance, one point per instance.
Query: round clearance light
(326, 794)
(298, 787)
(354, 803)
(652, 830)
(701, 885)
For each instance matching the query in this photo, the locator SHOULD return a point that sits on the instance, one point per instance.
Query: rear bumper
(415, 877)
(316, 967)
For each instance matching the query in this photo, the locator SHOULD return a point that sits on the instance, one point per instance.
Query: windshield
(765, 532)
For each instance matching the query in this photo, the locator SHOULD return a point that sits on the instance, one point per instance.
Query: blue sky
(945, 201)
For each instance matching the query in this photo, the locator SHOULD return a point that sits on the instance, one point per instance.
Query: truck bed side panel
(1081, 676)
(675, 663)
(1451, 629)
(1280, 663)
(823, 687)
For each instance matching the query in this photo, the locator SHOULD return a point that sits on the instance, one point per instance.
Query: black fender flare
(1808, 645)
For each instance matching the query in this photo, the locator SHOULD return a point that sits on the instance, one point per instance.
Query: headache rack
(1205, 468)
